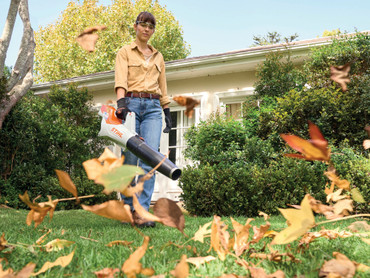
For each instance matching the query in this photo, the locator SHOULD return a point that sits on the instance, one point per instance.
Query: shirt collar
(134, 45)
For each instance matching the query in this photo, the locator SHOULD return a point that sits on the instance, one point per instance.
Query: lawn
(91, 233)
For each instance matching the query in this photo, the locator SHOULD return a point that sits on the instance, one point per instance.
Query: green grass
(93, 256)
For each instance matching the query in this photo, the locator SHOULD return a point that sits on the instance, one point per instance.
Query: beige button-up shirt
(135, 74)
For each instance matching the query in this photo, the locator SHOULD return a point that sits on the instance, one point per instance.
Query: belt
(142, 95)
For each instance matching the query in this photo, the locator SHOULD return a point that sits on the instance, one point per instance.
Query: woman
(140, 85)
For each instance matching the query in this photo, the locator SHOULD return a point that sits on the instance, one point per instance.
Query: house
(220, 81)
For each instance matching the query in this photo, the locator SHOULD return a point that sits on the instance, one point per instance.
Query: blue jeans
(148, 113)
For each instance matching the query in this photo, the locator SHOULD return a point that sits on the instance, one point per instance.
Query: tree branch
(7, 33)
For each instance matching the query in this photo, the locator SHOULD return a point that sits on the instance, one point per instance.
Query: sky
(217, 26)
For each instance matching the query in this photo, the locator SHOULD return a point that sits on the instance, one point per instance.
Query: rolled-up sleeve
(121, 70)
(164, 99)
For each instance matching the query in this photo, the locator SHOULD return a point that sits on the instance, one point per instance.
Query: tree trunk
(21, 78)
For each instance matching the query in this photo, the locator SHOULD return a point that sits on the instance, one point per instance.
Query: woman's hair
(146, 17)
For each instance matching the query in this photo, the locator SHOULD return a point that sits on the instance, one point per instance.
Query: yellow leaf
(57, 244)
(301, 220)
(61, 261)
(119, 242)
(202, 232)
(143, 212)
(357, 196)
(342, 207)
(200, 260)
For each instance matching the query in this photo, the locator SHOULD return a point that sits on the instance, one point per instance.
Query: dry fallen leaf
(57, 244)
(341, 266)
(119, 242)
(260, 232)
(143, 212)
(359, 226)
(335, 196)
(339, 74)
(202, 232)
(61, 261)
(314, 149)
(318, 207)
(132, 265)
(197, 261)
(189, 102)
(87, 39)
(343, 207)
(106, 272)
(366, 144)
(169, 213)
(112, 209)
(219, 237)
(241, 236)
(182, 268)
(301, 220)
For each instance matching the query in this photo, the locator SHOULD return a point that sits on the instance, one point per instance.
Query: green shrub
(43, 134)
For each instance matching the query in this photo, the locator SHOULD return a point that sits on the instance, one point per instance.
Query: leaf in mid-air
(357, 196)
(202, 232)
(314, 149)
(87, 39)
(112, 209)
(66, 182)
(301, 220)
(170, 213)
(182, 268)
(188, 102)
(61, 261)
(119, 178)
(339, 74)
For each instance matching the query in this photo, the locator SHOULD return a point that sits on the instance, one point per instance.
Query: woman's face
(144, 30)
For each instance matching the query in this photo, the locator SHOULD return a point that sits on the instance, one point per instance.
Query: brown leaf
(3, 242)
(87, 39)
(106, 272)
(119, 242)
(66, 182)
(335, 196)
(265, 216)
(24, 272)
(257, 272)
(200, 260)
(318, 207)
(143, 212)
(182, 268)
(339, 74)
(170, 213)
(112, 209)
(314, 149)
(340, 266)
(260, 232)
(189, 102)
(329, 234)
(132, 265)
(42, 238)
(241, 236)
(359, 226)
(61, 261)
(274, 256)
(219, 237)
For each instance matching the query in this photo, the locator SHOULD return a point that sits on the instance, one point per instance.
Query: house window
(180, 124)
(234, 110)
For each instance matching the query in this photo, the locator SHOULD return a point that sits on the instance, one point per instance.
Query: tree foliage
(273, 38)
(58, 56)
(44, 134)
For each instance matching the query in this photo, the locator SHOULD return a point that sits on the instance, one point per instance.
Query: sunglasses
(146, 24)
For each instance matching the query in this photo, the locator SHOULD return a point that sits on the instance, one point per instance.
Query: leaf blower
(125, 136)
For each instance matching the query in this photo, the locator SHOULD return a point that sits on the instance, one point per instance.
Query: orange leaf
(314, 149)
(343, 184)
(143, 212)
(66, 182)
(119, 242)
(112, 209)
(132, 265)
(87, 39)
(170, 213)
(61, 261)
(189, 102)
(182, 268)
(260, 232)
(241, 236)
(219, 237)
(366, 144)
(106, 272)
(339, 74)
